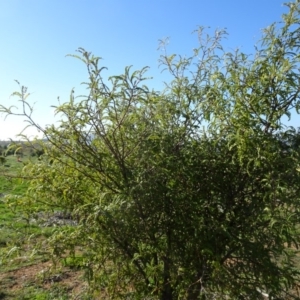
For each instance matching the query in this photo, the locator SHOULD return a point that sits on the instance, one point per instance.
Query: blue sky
(36, 35)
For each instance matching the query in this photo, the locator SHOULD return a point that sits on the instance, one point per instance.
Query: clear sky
(36, 35)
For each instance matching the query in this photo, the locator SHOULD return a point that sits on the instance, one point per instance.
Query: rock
(49, 219)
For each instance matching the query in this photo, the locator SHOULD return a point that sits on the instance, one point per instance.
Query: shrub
(188, 193)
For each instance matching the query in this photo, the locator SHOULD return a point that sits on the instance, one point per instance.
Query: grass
(11, 222)
(23, 276)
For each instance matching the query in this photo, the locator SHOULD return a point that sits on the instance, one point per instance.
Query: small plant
(74, 262)
(2, 160)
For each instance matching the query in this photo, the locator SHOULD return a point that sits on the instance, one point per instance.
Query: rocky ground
(58, 218)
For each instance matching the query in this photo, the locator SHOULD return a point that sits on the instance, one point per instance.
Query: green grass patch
(14, 224)
(76, 262)
(35, 292)
(20, 237)
(9, 181)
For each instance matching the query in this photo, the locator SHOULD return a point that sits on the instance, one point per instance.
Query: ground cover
(21, 275)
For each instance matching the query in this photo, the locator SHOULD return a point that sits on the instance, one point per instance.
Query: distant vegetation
(187, 193)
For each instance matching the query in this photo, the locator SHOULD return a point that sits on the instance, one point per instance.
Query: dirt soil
(41, 275)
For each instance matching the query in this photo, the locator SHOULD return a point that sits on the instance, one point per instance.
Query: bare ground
(42, 277)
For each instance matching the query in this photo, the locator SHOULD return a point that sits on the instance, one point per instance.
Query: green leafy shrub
(188, 193)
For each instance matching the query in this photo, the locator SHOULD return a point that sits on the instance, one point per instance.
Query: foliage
(188, 193)
(2, 160)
